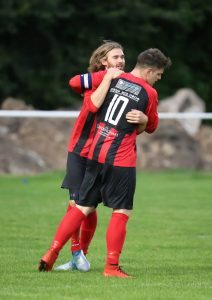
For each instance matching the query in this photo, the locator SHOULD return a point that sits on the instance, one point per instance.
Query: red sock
(69, 224)
(75, 239)
(115, 237)
(88, 228)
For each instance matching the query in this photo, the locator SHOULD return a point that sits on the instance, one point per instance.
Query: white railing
(74, 114)
(39, 114)
(190, 115)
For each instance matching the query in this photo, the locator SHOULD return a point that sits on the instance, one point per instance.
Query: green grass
(168, 247)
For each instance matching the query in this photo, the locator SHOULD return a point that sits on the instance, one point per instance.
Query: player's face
(154, 75)
(114, 59)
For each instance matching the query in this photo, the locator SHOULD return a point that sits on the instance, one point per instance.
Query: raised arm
(84, 82)
(100, 93)
(95, 97)
(80, 83)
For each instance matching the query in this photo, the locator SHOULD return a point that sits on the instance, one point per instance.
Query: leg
(76, 166)
(69, 224)
(75, 239)
(117, 192)
(78, 261)
(75, 171)
(88, 228)
(115, 237)
(89, 192)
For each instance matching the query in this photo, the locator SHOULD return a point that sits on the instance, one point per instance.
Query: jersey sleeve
(96, 79)
(81, 83)
(88, 102)
(151, 112)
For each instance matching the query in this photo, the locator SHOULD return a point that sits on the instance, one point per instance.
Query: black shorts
(75, 171)
(114, 185)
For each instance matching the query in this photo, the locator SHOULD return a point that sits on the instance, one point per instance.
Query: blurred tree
(44, 43)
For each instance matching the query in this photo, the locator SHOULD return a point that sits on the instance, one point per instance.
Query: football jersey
(84, 127)
(114, 140)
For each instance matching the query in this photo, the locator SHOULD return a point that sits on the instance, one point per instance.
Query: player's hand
(137, 117)
(113, 73)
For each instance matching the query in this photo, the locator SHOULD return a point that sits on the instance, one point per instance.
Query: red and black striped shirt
(84, 127)
(114, 139)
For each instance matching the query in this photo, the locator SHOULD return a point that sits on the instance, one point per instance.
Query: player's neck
(137, 72)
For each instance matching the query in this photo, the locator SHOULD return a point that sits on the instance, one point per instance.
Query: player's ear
(148, 71)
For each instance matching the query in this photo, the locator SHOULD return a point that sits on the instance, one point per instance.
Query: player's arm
(100, 93)
(87, 101)
(141, 127)
(137, 117)
(84, 82)
(80, 83)
(151, 112)
(95, 98)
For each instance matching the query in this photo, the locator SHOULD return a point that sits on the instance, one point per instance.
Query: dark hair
(153, 57)
(101, 52)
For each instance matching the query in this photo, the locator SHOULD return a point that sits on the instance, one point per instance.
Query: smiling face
(114, 59)
(153, 75)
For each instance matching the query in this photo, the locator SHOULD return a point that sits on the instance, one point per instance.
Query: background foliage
(44, 43)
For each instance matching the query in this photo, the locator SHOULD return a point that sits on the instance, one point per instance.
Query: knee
(72, 203)
(127, 212)
(86, 210)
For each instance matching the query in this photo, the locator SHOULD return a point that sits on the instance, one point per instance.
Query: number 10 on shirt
(113, 107)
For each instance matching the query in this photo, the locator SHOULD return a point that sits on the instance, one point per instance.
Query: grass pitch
(168, 247)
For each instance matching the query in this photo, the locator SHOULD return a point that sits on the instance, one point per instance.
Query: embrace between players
(101, 163)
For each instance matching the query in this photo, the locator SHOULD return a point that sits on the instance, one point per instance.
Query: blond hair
(95, 62)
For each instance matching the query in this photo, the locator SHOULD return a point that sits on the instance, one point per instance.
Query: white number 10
(112, 108)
